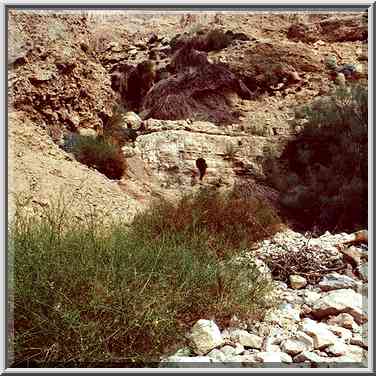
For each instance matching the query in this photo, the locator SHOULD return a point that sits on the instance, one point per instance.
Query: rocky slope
(61, 80)
(40, 173)
(60, 76)
(321, 320)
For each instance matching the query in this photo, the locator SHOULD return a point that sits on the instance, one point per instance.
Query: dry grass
(310, 262)
(229, 219)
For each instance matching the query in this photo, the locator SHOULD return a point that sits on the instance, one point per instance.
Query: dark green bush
(100, 154)
(325, 181)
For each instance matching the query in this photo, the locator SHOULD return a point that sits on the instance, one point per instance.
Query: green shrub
(230, 220)
(327, 170)
(85, 296)
(100, 154)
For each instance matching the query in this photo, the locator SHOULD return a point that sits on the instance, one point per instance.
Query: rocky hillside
(218, 87)
(62, 66)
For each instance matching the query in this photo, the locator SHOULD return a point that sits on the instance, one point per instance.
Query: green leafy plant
(100, 154)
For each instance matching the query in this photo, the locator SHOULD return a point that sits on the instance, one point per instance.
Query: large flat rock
(339, 301)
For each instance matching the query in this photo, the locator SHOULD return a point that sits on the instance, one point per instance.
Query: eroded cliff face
(165, 158)
(54, 74)
(60, 67)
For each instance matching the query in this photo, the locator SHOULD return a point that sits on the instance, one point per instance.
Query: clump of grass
(100, 154)
(229, 220)
(103, 152)
(86, 296)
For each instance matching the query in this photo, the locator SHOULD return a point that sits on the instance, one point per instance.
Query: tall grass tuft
(228, 220)
(86, 297)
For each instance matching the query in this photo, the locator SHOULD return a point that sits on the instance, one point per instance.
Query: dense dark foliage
(323, 172)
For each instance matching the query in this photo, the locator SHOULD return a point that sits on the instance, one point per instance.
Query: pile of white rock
(321, 325)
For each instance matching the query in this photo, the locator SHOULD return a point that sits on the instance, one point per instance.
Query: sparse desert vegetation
(100, 154)
(216, 165)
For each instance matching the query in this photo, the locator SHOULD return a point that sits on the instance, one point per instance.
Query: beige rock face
(322, 336)
(284, 315)
(247, 339)
(353, 354)
(257, 60)
(343, 300)
(205, 336)
(132, 120)
(300, 343)
(335, 281)
(62, 83)
(162, 163)
(337, 349)
(310, 297)
(343, 333)
(40, 170)
(343, 319)
(164, 159)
